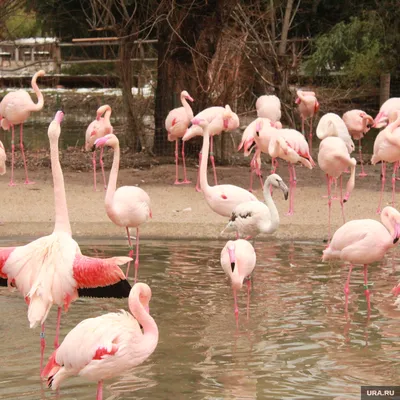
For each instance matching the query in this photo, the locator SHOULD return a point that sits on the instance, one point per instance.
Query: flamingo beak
(232, 258)
(380, 120)
(284, 189)
(316, 106)
(297, 101)
(190, 98)
(59, 117)
(396, 234)
(226, 123)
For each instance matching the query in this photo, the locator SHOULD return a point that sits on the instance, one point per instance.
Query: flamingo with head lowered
(308, 107)
(15, 109)
(52, 270)
(98, 128)
(127, 206)
(106, 346)
(176, 123)
(222, 199)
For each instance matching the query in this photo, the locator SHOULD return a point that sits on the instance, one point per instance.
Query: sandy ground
(179, 212)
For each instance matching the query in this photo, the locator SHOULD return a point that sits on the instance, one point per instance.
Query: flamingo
(358, 124)
(387, 149)
(98, 128)
(251, 218)
(52, 270)
(382, 118)
(269, 106)
(15, 108)
(222, 199)
(238, 260)
(364, 241)
(334, 159)
(176, 123)
(106, 346)
(228, 122)
(308, 107)
(127, 206)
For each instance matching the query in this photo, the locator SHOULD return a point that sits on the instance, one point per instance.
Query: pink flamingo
(382, 118)
(387, 149)
(358, 124)
(176, 123)
(308, 107)
(269, 106)
(364, 241)
(52, 270)
(251, 218)
(228, 122)
(15, 108)
(334, 159)
(127, 206)
(222, 199)
(238, 260)
(291, 146)
(98, 128)
(106, 346)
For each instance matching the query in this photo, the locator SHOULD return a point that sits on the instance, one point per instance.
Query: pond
(296, 344)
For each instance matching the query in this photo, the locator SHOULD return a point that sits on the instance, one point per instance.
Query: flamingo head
(187, 96)
(54, 128)
(142, 292)
(297, 101)
(107, 140)
(381, 120)
(369, 121)
(101, 110)
(231, 253)
(276, 181)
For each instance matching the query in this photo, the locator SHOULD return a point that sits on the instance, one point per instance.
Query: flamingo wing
(97, 277)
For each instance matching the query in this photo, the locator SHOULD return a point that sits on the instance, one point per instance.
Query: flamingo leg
(251, 174)
(395, 167)
(362, 173)
(302, 127)
(94, 170)
(42, 347)
(56, 341)
(367, 294)
(102, 168)
(378, 211)
(137, 254)
(12, 183)
(21, 145)
(236, 308)
(130, 251)
(341, 199)
(212, 159)
(248, 296)
(292, 187)
(329, 180)
(185, 180)
(346, 288)
(176, 162)
(198, 188)
(99, 390)
(310, 135)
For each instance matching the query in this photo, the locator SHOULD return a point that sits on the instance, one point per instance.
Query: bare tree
(129, 21)
(7, 9)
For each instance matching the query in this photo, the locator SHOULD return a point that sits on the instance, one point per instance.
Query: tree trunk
(384, 90)
(285, 28)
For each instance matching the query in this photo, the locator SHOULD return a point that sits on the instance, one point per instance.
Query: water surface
(296, 344)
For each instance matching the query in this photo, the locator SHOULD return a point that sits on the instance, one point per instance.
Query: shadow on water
(296, 344)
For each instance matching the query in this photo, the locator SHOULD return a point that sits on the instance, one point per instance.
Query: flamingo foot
(28, 182)
(12, 183)
(186, 181)
(290, 212)
(362, 174)
(198, 189)
(378, 211)
(178, 183)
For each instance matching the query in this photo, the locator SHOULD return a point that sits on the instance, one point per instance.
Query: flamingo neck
(112, 180)
(186, 106)
(273, 224)
(204, 161)
(60, 199)
(150, 329)
(39, 105)
(386, 220)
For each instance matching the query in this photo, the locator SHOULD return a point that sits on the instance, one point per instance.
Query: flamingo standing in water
(176, 123)
(358, 124)
(387, 149)
(98, 128)
(364, 241)
(308, 107)
(52, 270)
(238, 260)
(127, 206)
(228, 122)
(251, 218)
(106, 346)
(15, 108)
(222, 199)
(389, 106)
